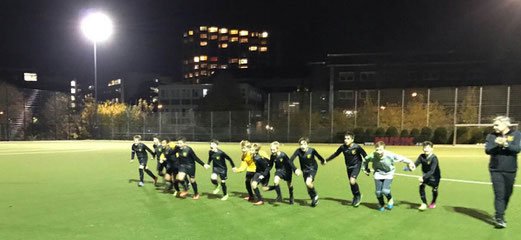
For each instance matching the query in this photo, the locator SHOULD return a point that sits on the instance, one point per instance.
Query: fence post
(287, 132)
(144, 125)
(176, 124)
(56, 118)
(508, 101)
(211, 125)
(230, 125)
(310, 111)
(455, 116)
(480, 103)
(269, 109)
(356, 107)
(403, 106)
(378, 110)
(428, 105)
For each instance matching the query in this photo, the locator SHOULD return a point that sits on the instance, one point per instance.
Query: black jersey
(158, 149)
(352, 155)
(282, 162)
(187, 157)
(171, 154)
(503, 159)
(261, 164)
(307, 159)
(218, 159)
(140, 150)
(430, 166)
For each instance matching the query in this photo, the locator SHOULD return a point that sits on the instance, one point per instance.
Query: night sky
(45, 34)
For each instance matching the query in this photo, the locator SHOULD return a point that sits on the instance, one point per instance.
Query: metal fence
(36, 114)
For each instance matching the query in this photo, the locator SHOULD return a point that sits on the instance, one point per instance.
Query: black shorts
(161, 166)
(432, 181)
(188, 169)
(309, 173)
(256, 178)
(143, 161)
(222, 173)
(283, 174)
(171, 168)
(353, 171)
(249, 176)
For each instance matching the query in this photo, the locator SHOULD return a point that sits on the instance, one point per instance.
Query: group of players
(179, 162)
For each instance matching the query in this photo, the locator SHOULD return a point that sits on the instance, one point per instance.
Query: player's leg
(352, 174)
(141, 173)
(255, 187)
(213, 179)
(423, 197)
(379, 183)
(181, 176)
(498, 184)
(290, 189)
(191, 174)
(224, 176)
(247, 182)
(311, 188)
(276, 181)
(386, 191)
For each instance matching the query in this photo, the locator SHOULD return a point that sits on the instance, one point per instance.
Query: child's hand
(206, 166)
(324, 163)
(298, 172)
(234, 169)
(261, 177)
(420, 179)
(131, 160)
(412, 166)
(367, 172)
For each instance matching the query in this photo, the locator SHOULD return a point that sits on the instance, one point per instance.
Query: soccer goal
(479, 125)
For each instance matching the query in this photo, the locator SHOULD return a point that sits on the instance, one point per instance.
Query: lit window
(73, 105)
(234, 32)
(214, 59)
(253, 48)
(224, 38)
(243, 33)
(213, 66)
(213, 37)
(203, 28)
(196, 74)
(243, 61)
(204, 65)
(196, 59)
(204, 35)
(191, 75)
(73, 98)
(264, 49)
(243, 66)
(224, 66)
(205, 92)
(204, 73)
(234, 39)
(233, 60)
(213, 29)
(204, 43)
(30, 77)
(185, 34)
(224, 45)
(264, 34)
(73, 83)
(73, 90)
(244, 40)
(223, 30)
(196, 66)
(191, 32)
(203, 58)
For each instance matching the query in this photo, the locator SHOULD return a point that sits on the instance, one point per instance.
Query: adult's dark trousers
(503, 186)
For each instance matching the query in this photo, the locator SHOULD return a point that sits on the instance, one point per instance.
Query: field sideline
(88, 190)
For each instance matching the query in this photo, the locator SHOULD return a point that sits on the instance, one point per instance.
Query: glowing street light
(414, 94)
(97, 27)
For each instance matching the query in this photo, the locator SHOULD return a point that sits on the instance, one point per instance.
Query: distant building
(209, 48)
(129, 88)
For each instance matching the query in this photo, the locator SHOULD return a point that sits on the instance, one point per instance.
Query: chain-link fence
(27, 114)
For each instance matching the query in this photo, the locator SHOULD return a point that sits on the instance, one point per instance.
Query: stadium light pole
(97, 27)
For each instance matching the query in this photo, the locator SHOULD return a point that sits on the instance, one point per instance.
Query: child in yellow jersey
(248, 165)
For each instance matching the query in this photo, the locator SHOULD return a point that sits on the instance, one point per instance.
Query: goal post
(516, 125)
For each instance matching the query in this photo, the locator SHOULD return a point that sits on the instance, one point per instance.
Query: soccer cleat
(175, 193)
(422, 207)
(314, 203)
(291, 200)
(196, 196)
(500, 223)
(225, 197)
(140, 184)
(432, 205)
(258, 203)
(278, 199)
(248, 198)
(390, 204)
(155, 181)
(381, 209)
(216, 190)
(357, 201)
(183, 194)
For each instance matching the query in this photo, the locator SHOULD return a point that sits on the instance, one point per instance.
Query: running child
(219, 167)
(431, 174)
(140, 149)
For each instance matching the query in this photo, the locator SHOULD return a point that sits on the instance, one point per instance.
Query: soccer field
(88, 190)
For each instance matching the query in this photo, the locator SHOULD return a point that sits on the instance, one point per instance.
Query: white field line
(452, 180)
(43, 152)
